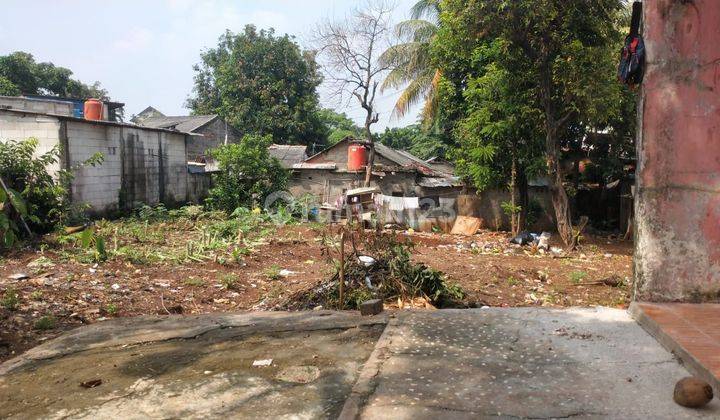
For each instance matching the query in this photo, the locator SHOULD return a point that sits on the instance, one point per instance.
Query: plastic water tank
(357, 157)
(93, 109)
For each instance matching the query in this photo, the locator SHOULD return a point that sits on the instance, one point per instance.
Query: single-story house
(140, 164)
(215, 131)
(288, 154)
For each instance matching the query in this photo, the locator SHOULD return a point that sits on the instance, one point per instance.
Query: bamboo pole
(342, 268)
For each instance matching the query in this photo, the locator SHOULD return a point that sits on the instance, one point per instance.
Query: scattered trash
(524, 238)
(285, 273)
(543, 242)
(692, 392)
(207, 372)
(115, 286)
(367, 261)
(262, 362)
(18, 276)
(91, 384)
(318, 308)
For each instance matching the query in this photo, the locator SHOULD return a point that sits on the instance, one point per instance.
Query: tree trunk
(371, 156)
(552, 152)
(524, 198)
(513, 200)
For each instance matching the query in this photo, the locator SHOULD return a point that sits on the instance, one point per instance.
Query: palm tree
(410, 61)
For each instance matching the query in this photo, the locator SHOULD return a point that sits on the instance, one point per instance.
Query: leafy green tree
(568, 54)
(20, 73)
(248, 174)
(262, 84)
(411, 61)
(337, 126)
(414, 139)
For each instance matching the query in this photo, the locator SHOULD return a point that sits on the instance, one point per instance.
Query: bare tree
(349, 51)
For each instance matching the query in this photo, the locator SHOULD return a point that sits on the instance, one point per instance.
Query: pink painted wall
(677, 244)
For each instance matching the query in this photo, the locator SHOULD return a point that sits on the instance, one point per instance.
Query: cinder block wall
(677, 218)
(23, 126)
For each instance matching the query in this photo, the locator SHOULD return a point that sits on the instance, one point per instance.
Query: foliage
(531, 70)
(10, 299)
(414, 139)
(393, 276)
(20, 73)
(262, 83)
(578, 276)
(248, 174)
(273, 272)
(46, 322)
(337, 126)
(411, 62)
(34, 194)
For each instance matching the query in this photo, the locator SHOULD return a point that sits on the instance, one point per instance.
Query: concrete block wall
(97, 186)
(46, 129)
(45, 106)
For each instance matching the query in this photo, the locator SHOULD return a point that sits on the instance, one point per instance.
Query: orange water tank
(357, 157)
(93, 109)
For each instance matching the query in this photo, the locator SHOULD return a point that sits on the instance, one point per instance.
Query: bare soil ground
(156, 268)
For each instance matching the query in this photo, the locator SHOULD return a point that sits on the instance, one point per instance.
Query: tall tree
(260, 83)
(20, 73)
(567, 50)
(338, 126)
(350, 52)
(411, 61)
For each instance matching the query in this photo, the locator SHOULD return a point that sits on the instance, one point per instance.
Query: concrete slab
(194, 367)
(520, 363)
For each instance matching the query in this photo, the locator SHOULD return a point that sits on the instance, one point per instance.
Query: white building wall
(14, 126)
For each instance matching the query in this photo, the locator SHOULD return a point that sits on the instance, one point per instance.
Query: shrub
(248, 174)
(46, 322)
(10, 299)
(32, 192)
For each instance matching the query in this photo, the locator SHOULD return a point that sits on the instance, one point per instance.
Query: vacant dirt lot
(190, 265)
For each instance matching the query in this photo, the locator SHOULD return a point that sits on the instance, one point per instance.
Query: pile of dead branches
(373, 265)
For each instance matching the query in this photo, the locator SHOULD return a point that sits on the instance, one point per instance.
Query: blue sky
(143, 51)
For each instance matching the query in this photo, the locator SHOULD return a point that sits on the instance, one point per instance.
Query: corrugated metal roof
(187, 123)
(308, 165)
(287, 154)
(437, 182)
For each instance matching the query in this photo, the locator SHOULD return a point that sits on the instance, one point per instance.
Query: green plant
(273, 272)
(47, 322)
(111, 309)
(10, 299)
(36, 295)
(248, 174)
(194, 282)
(577, 276)
(512, 281)
(229, 281)
(32, 194)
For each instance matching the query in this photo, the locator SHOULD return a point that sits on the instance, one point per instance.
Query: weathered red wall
(677, 251)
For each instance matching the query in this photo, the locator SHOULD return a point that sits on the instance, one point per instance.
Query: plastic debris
(18, 276)
(262, 362)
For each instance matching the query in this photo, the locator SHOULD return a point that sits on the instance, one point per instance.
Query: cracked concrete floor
(194, 367)
(505, 363)
(522, 363)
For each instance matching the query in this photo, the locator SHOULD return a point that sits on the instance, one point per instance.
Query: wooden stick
(22, 219)
(342, 268)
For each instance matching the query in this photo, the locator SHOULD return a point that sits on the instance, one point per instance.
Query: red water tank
(93, 109)
(357, 157)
